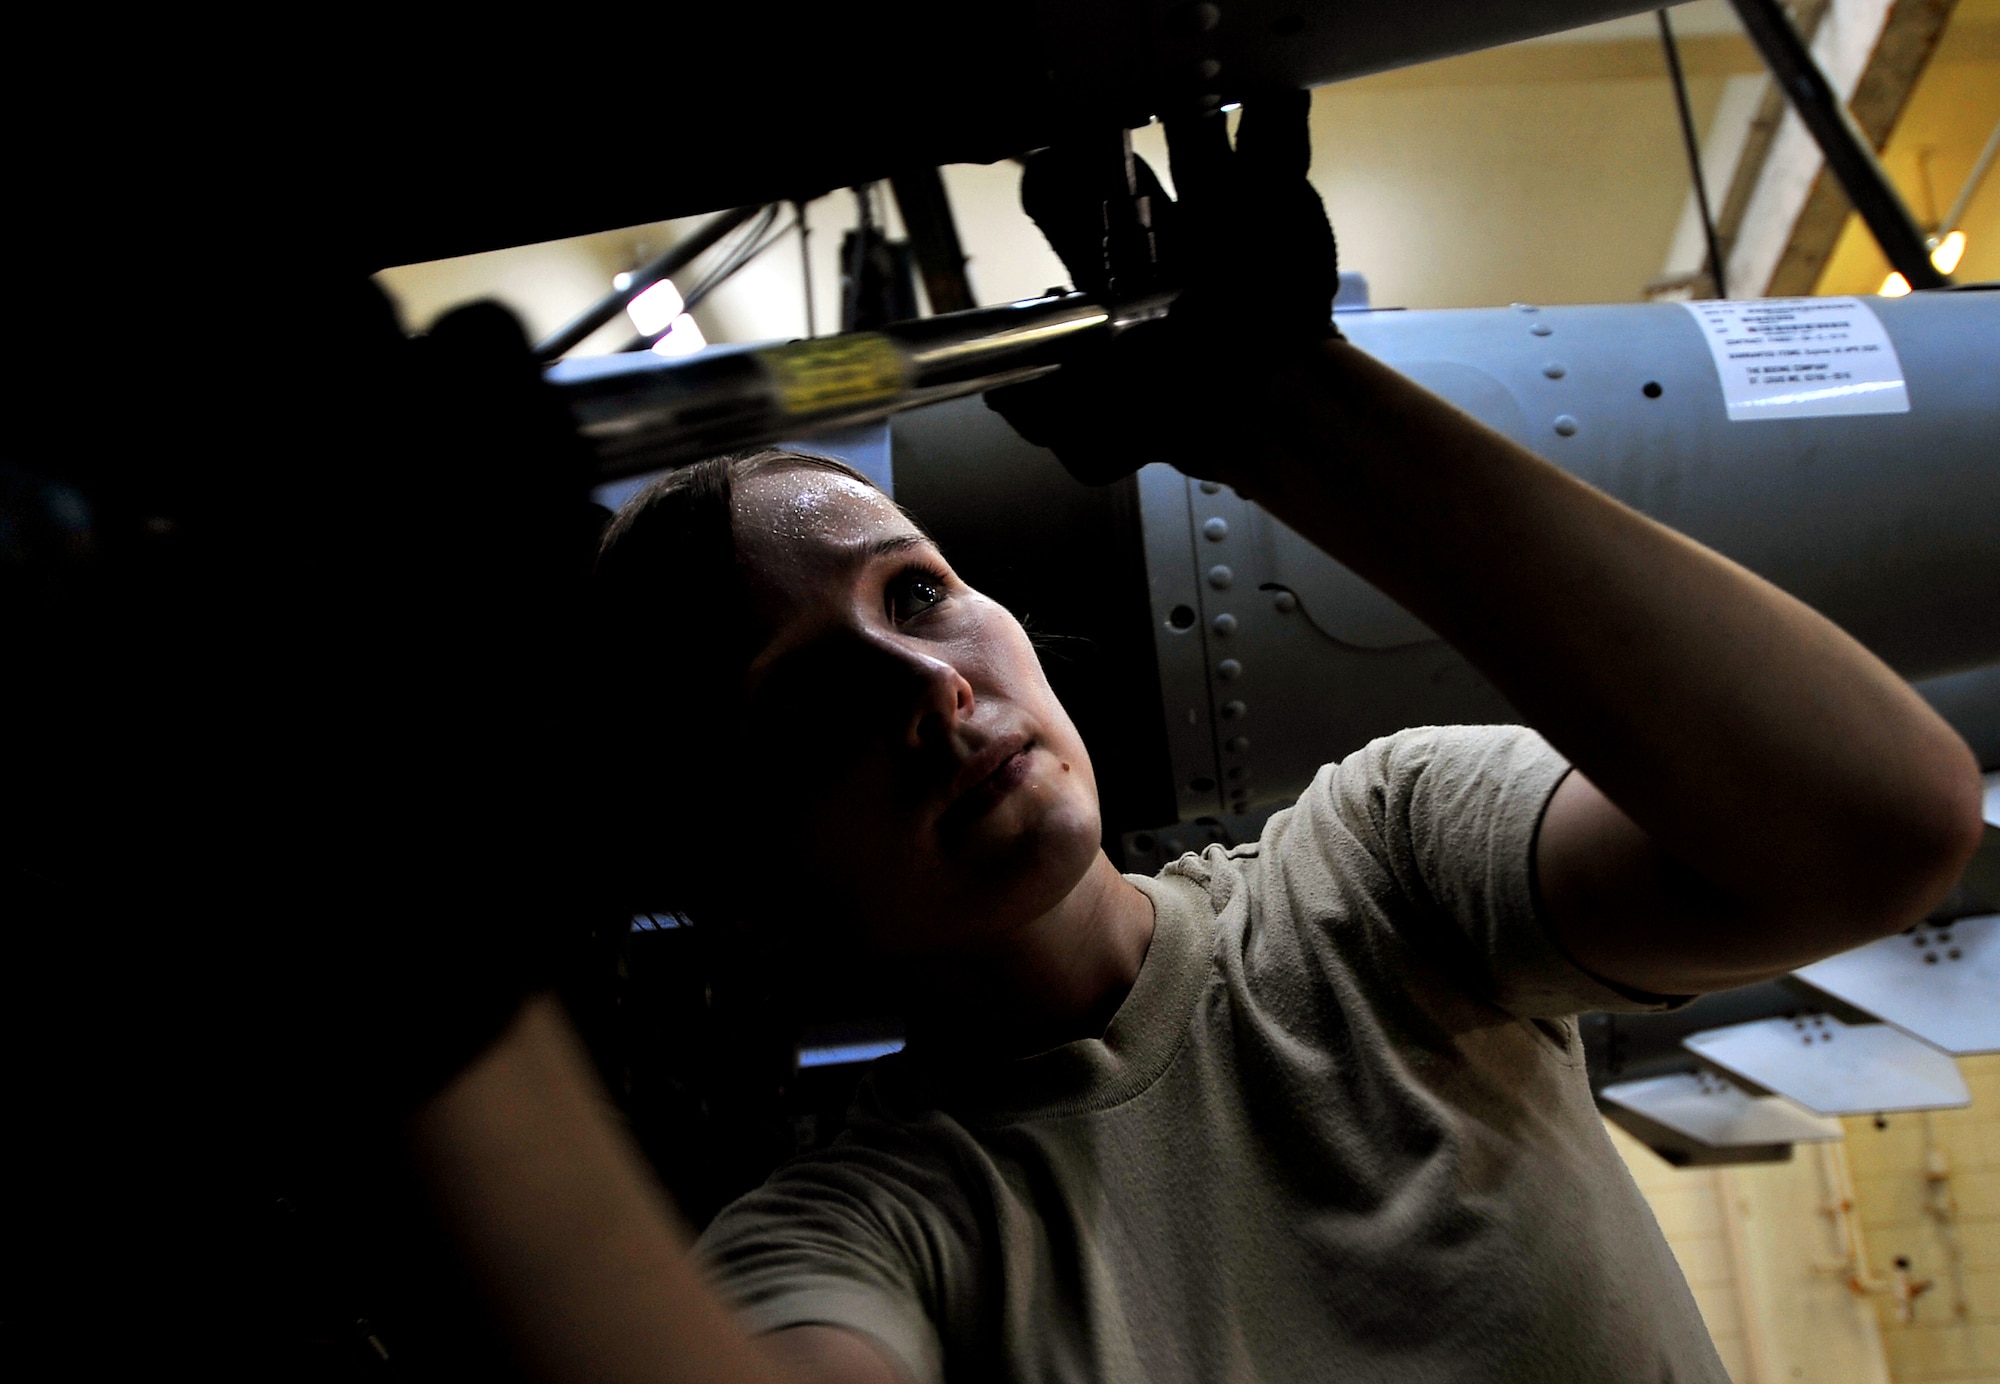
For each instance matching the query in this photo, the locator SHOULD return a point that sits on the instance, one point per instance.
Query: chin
(1035, 851)
(1038, 868)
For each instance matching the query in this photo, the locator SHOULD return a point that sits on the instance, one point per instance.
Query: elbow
(1963, 831)
(1923, 844)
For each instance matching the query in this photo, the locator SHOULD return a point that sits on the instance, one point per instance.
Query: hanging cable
(761, 238)
(806, 266)
(750, 242)
(1972, 181)
(1693, 144)
(642, 278)
(861, 243)
(772, 238)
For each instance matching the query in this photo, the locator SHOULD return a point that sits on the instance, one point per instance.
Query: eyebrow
(862, 554)
(899, 543)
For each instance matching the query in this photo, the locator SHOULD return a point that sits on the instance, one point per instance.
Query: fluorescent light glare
(621, 281)
(840, 1054)
(683, 337)
(1946, 253)
(1895, 286)
(654, 311)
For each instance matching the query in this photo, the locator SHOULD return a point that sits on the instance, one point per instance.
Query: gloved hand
(424, 683)
(313, 701)
(1250, 249)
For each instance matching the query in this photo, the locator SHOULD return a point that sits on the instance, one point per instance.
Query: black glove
(427, 717)
(308, 704)
(1250, 250)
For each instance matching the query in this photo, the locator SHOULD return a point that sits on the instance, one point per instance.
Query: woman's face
(919, 775)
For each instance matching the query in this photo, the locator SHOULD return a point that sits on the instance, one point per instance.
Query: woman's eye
(914, 592)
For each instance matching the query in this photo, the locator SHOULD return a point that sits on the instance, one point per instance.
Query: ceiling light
(683, 337)
(1946, 253)
(654, 311)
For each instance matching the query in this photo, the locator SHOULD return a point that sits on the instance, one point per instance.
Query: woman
(1312, 1104)
(933, 793)
(1312, 1107)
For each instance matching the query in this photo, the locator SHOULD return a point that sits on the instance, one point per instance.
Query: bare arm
(1755, 789)
(580, 1257)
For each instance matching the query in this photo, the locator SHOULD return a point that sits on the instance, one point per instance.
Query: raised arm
(1753, 789)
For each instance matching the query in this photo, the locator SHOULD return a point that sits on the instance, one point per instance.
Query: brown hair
(678, 526)
(673, 638)
(669, 603)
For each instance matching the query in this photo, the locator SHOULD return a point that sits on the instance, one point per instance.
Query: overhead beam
(1902, 50)
(1785, 208)
(933, 232)
(1754, 154)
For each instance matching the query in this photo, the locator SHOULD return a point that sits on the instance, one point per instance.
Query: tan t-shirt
(1339, 1130)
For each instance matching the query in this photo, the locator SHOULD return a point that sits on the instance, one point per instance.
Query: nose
(940, 698)
(881, 684)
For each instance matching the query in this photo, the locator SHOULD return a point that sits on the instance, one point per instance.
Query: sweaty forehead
(808, 527)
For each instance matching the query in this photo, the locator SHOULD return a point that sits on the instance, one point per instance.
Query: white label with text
(1802, 358)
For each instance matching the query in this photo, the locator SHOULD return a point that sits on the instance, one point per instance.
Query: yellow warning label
(835, 372)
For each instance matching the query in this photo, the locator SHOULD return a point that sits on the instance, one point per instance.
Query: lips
(996, 770)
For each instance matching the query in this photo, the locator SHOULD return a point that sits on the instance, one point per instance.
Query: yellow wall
(1468, 183)
(1764, 1257)
(1763, 1262)
(1689, 1205)
(1949, 1228)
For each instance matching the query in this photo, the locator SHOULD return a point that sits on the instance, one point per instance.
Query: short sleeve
(855, 1237)
(1452, 812)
